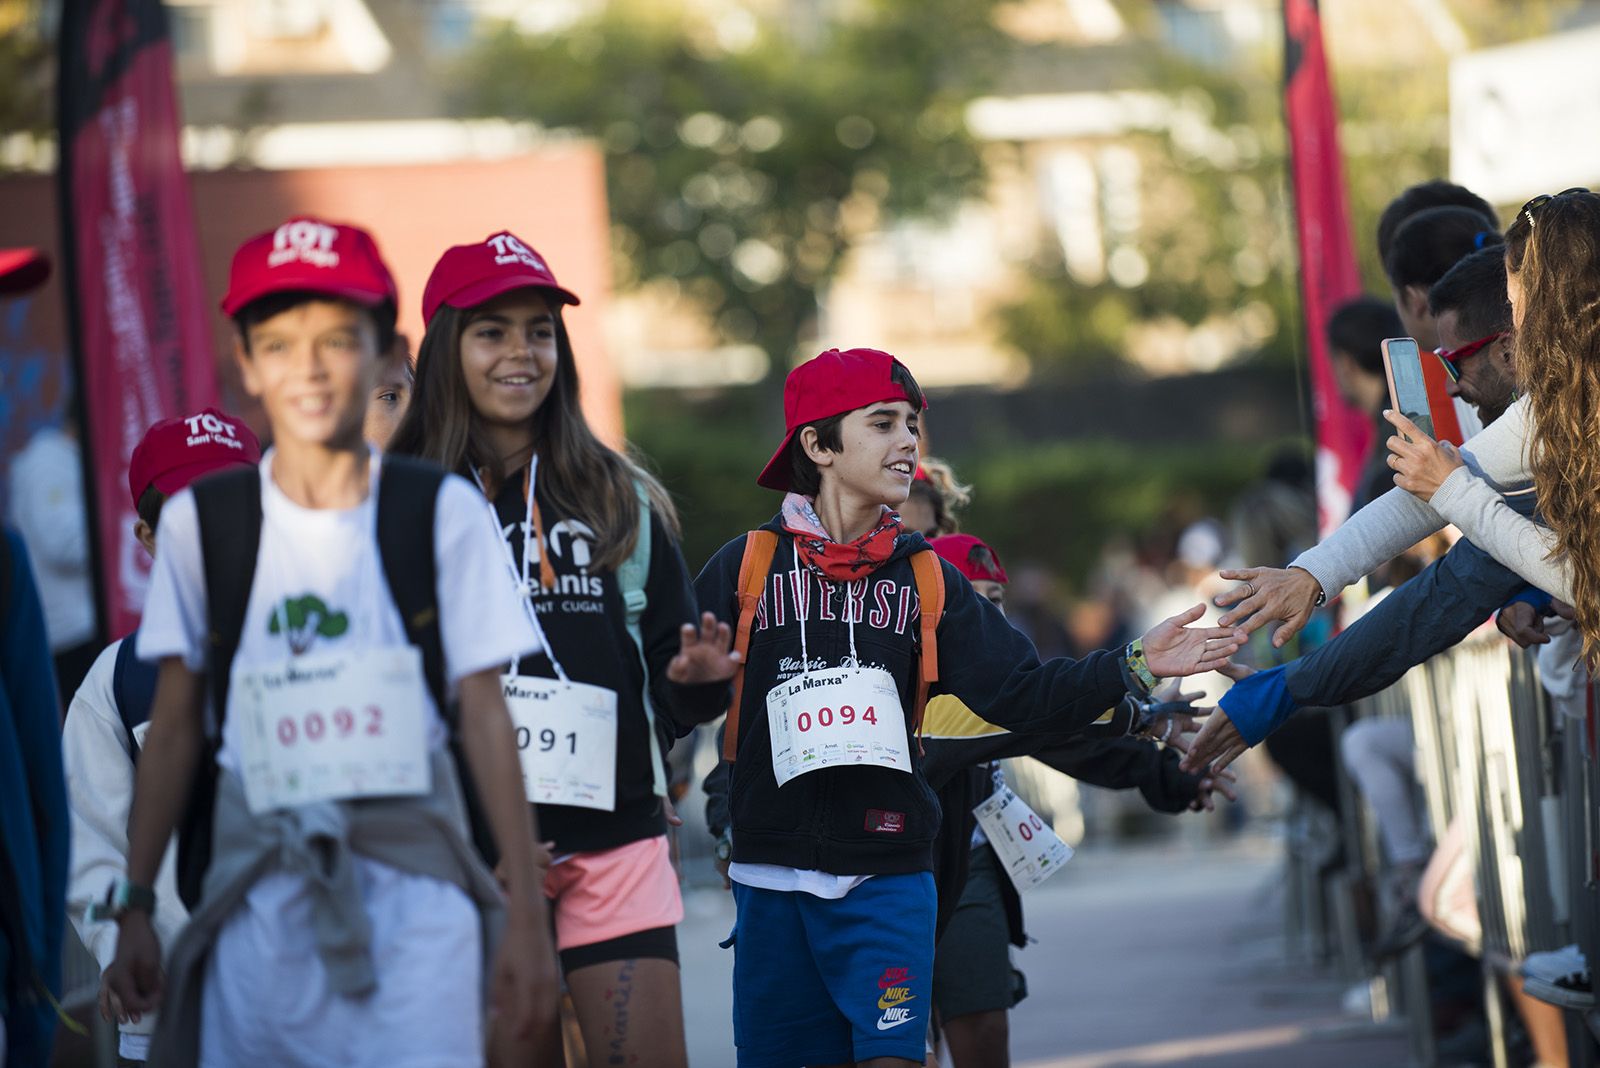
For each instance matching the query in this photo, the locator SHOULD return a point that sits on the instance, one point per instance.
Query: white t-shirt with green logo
(319, 588)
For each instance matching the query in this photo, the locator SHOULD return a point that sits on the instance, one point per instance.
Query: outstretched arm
(1374, 535)
(1417, 620)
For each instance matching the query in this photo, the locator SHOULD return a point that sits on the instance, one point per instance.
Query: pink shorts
(600, 896)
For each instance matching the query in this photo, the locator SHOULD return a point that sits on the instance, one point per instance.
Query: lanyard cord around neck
(522, 578)
(800, 576)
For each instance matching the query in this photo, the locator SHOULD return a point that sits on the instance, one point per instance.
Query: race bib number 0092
(825, 719)
(566, 740)
(332, 728)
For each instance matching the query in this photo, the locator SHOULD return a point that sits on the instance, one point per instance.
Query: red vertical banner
(135, 293)
(1328, 272)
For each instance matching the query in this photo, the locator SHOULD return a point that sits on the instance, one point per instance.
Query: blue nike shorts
(829, 982)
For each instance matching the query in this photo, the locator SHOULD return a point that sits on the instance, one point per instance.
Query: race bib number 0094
(566, 740)
(825, 719)
(332, 728)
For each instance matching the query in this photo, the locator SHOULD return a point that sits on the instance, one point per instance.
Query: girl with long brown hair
(590, 543)
(1553, 282)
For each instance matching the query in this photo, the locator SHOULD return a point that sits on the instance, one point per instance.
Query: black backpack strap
(408, 491)
(408, 495)
(133, 688)
(229, 508)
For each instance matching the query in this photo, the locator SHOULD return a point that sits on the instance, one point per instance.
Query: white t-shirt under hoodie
(266, 998)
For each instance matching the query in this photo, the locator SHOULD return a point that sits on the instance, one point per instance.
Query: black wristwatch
(723, 850)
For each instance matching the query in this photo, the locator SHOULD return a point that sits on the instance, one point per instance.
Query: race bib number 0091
(566, 740)
(825, 719)
(332, 728)
(1028, 848)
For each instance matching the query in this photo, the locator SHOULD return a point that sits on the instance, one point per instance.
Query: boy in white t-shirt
(345, 916)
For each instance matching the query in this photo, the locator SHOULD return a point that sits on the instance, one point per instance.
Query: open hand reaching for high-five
(1219, 742)
(705, 653)
(1173, 649)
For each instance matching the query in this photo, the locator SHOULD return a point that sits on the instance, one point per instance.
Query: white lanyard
(802, 575)
(523, 578)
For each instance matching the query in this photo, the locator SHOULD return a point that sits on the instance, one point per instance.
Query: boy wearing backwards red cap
(344, 915)
(110, 713)
(833, 823)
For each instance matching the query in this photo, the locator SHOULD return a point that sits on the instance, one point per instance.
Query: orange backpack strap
(929, 572)
(759, 548)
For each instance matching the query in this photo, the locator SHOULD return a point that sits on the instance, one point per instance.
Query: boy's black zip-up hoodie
(868, 820)
(586, 623)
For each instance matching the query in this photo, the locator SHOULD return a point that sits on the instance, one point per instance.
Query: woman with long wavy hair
(1553, 281)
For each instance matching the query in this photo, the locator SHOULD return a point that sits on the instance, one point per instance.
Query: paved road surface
(1160, 955)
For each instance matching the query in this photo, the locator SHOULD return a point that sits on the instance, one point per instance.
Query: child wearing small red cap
(109, 715)
(980, 908)
(833, 823)
(339, 911)
(589, 544)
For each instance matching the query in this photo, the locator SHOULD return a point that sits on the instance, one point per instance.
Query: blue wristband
(1259, 705)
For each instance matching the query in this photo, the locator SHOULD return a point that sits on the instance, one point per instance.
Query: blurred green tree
(742, 161)
(27, 67)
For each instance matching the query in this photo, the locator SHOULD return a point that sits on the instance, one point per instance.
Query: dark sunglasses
(1452, 357)
(1544, 198)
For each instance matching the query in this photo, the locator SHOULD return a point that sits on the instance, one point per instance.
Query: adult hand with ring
(1288, 595)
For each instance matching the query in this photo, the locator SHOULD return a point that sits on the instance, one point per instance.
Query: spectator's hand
(1173, 649)
(1220, 782)
(1236, 672)
(1522, 624)
(1265, 594)
(722, 870)
(134, 982)
(1421, 465)
(705, 653)
(1218, 745)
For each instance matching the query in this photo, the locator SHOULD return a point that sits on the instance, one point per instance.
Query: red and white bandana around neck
(839, 561)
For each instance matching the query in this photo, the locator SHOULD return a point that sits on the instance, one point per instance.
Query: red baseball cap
(468, 275)
(175, 452)
(310, 254)
(959, 550)
(22, 269)
(832, 383)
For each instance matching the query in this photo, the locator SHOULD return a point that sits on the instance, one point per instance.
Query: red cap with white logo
(833, 383)
(175, 452)
(468, 275)
(971, 557)
(311, 255)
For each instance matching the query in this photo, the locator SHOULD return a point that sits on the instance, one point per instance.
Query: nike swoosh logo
(885, 1026)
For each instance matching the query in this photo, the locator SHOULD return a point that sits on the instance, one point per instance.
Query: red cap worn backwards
(833, 383)
(312, 255)
(175, 452)
(468, 275)
(963, 550)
